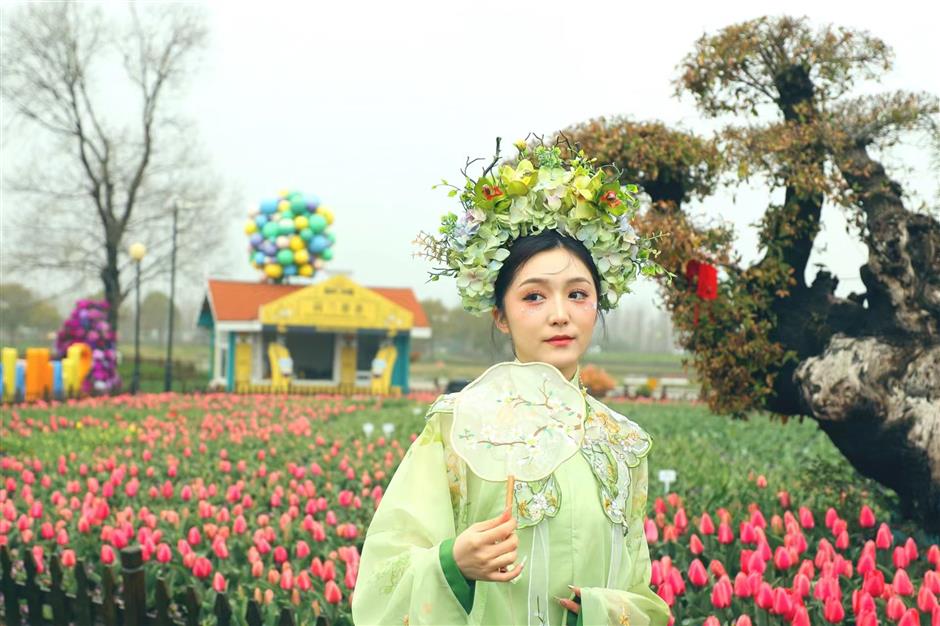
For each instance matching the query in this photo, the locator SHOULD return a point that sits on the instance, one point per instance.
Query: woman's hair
(524, 248)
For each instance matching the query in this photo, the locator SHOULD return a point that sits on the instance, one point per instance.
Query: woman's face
(552, 295)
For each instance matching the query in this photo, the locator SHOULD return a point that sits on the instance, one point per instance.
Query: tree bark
(876, 393)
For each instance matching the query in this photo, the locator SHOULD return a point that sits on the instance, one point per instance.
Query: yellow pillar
(8, 355)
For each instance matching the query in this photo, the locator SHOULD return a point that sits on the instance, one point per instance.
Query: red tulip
(725, 534)
(801, 585)
(783, 604)
(833, 611)
(842, 541)
(899, 557)
(697, 574)
(68, 559)
(867, 618)
(933, 555)
(866, 563)
(332, 593)
(800, 616)
(765, 596)
(911, 618)
(706, 526)
(902, 583)
(806, 518)
(329, 571)
(107, 554)
(721, 594)
(656, 573)
(782, 560)
(932, 581)
(164, 554)
(202, 567)
(666, 593)
(866, 517)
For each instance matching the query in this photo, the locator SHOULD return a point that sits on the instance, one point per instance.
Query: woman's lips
(560, 342)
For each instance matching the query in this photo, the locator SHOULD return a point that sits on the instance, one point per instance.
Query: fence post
(83, 605)
(191, 600)
(60, 614)
(163, 603)
(222, 610)
(33, 594)
(135, 593)
(108, 608)
(287, 617)
(11, 604)
(253, 614)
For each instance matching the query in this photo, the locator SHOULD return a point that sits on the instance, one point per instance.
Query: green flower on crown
(539, 190)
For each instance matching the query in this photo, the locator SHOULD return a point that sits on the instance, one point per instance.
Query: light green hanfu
(581, 526)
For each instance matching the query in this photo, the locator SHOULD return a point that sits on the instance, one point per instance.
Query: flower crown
(541, 190)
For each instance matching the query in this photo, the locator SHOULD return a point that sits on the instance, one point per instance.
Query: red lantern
(704, 277)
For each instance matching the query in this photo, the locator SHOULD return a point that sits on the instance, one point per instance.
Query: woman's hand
(573, 606)
(487, 550)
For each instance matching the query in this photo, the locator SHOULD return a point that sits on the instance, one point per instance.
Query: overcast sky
(368, 104)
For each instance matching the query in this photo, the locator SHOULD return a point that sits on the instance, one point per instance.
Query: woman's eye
(580, 293)
(531, 297)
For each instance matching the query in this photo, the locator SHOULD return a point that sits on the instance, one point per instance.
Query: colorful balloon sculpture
(289, 236)
(88, 324)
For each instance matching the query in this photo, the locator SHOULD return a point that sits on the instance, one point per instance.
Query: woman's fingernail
(570, 586)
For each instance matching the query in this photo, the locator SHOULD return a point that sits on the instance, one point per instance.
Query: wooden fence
(109, 605)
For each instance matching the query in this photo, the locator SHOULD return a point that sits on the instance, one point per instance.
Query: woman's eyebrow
(544, 281)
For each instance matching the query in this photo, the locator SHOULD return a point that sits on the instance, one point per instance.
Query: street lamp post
(137, 252)
(168, 368)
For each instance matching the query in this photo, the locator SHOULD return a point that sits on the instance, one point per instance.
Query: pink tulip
(899, 557)
(721, 594)
(902, 583)
(107, 554)
(867, 618)
(695, 545)
(783, 604)
(302, 549)
(711, 620)
(332, 593)
(329, 571)
(933, 555)
(742, 589)
(651, 531)
(911, 547)
(884, 539)
(806, 518)
(744, 620)
(219, 583)
(895, 608)
(164, 554)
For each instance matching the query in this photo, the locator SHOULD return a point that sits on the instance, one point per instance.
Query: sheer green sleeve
(401, 576)
(636, 604)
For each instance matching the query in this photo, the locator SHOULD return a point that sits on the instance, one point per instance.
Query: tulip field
(269, 497)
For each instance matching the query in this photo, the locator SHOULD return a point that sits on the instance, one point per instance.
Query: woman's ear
(500, 321)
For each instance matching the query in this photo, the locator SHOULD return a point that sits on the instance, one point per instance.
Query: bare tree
(111, 153)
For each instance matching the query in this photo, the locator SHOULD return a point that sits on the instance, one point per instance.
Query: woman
(441, 549)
